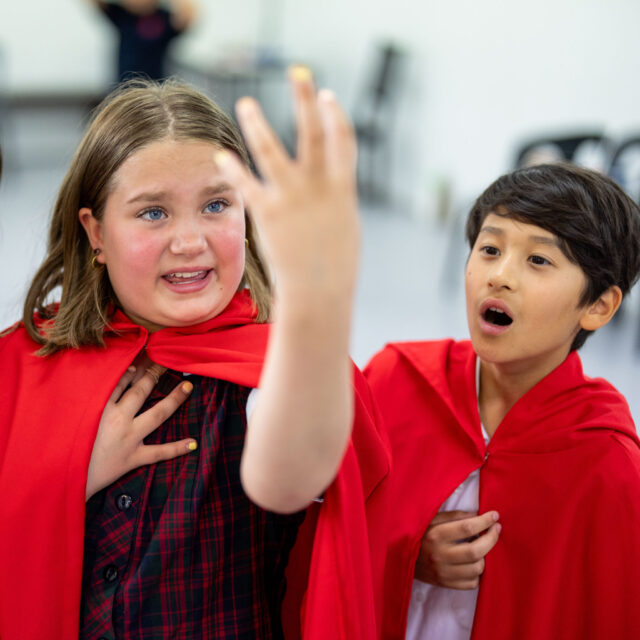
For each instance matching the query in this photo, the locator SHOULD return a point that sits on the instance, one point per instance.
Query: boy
(509, 423)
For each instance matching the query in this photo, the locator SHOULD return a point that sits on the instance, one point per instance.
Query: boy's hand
(454, 546)
(119, 447)
(305, 208)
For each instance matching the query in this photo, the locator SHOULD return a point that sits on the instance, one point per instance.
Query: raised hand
(306, 213)
(306, 208)
(119, 447)
(454, 546)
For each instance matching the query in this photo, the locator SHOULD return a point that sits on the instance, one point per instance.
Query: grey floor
(410, 280)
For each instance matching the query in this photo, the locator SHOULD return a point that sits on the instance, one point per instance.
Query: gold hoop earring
(94, 261)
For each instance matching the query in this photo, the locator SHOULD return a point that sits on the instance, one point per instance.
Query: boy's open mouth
(186, 277)
(496, 316)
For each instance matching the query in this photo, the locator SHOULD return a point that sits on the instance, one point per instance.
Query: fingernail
(221, 158)
(300, 73)
(192, 446)
(496, 516)
(131, 369)
(498, 528)
(187, 387)
(245, 107)
(326, 95)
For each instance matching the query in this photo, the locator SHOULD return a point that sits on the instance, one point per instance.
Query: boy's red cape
(50, 412)
(562, 470)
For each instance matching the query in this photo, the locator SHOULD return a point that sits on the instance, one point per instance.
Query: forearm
(302, 421)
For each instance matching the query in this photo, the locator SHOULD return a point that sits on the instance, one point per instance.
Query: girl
(160, 323)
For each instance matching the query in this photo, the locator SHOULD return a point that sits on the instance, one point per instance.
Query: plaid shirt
(176, 549)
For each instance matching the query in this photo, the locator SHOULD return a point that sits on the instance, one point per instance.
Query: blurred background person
(145, 31)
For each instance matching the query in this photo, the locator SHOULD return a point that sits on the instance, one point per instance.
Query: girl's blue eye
(538, 260)
(153, 214)
(217, 206)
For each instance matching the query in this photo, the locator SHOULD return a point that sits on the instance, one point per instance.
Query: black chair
(561, 148)
(625, 166)
(373, 117)
(625, 170)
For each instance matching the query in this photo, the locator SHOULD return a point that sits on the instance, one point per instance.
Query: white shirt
(438, 613)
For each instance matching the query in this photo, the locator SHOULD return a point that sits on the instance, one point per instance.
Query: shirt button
(110, 573)
(124, 501)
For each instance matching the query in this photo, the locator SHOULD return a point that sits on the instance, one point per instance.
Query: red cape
(563, 471)
(50, 412)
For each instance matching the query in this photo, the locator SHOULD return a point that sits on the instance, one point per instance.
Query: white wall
(483, 73)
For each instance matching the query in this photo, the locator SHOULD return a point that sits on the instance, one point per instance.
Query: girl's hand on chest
(119, 446)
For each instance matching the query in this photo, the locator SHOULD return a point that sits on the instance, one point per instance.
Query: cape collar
(564, 405)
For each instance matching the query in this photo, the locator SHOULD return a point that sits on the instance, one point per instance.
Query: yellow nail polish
(300, 73)
(192, 446)
(187, 387)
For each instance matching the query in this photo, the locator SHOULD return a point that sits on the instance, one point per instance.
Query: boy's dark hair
(597, 223)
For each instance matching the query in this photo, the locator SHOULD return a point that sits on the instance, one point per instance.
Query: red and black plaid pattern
(176, 549)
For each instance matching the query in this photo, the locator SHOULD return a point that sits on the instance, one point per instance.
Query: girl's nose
(188, 239)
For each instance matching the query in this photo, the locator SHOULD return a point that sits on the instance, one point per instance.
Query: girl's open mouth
(186, 277)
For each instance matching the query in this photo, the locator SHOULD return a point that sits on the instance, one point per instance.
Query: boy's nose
(502, 275)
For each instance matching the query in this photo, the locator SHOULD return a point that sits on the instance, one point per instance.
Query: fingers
(454, 547)
(123, 383)
(451, 516)
(139, 391)
(461, 576)
(311, 135)
(239, 175)
(326, 141)
(152, 453)
(267, 152)
(340, 145)
(470, 552)
(152, 418)
(462, 529)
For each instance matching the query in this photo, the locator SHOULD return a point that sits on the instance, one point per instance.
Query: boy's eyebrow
(550, 240)
(495, 230)
(546, 240)
(154, 196)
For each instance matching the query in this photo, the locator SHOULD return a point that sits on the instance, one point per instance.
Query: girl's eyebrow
(156, 196)
(147, 197)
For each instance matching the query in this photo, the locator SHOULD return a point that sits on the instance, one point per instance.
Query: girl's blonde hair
(133, 116)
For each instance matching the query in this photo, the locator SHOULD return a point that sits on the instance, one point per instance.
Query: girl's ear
(92, 227)
(598, 313)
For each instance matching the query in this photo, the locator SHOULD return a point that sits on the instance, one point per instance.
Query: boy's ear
(598, 313)
(92, 227)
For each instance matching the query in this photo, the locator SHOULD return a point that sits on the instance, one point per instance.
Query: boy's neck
(502, 386)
